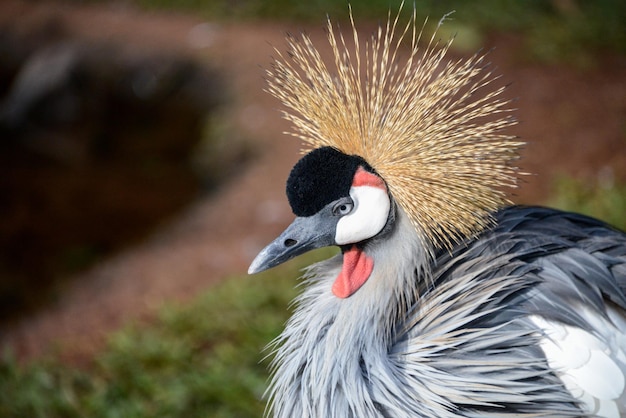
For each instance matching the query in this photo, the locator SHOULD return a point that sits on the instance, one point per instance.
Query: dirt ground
(573, 119)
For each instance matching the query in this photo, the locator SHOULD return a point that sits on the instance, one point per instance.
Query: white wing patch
(592, 366)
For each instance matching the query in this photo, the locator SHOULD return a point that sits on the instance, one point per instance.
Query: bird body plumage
(463, 341)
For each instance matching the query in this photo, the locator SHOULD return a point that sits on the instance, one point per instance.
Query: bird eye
(343, 207)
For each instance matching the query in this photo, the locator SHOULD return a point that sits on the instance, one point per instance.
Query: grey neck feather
(331, 347)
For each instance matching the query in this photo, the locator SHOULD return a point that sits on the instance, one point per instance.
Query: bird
(445, 299)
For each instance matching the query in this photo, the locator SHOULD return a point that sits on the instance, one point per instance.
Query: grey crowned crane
(444, 301)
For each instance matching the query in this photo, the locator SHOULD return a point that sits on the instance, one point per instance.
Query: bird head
(388, 134)
(339, 200)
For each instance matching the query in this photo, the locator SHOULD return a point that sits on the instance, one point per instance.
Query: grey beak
(304, 234)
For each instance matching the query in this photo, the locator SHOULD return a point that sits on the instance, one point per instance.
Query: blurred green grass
(204, 358)
(201, 359)
(554, 30)
(601, 198)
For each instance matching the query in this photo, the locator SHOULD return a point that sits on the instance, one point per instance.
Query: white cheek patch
(369, 216)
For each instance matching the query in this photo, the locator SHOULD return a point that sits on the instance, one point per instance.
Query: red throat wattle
(357, 267)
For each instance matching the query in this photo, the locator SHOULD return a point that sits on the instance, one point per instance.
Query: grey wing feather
(588, 255)
(536, 262)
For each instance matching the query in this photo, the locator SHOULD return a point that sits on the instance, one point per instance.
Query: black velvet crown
(320, 177)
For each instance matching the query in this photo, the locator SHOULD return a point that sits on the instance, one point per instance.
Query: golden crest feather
(431, 129)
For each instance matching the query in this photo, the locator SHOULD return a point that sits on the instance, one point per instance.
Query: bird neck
(332, 347)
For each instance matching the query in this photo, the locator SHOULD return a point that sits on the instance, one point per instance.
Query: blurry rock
(96, 144)
(67, 97)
